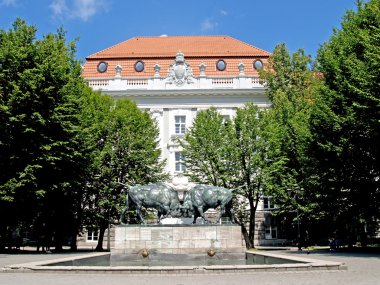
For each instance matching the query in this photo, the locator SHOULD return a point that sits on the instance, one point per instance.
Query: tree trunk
(252, 217)
(58, 241)
(2, 237)
(99, 246)
(73, 242)
(76, 226)
(248, 243)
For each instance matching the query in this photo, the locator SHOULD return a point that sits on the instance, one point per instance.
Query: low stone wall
(178, 239)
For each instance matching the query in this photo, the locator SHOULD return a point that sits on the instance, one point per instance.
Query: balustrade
(161, 83)
(137, 82)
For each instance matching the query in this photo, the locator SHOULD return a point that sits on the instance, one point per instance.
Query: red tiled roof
(191, 46)
(90, 67)
(162, 51)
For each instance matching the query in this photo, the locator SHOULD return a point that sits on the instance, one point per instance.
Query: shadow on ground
(344, 251)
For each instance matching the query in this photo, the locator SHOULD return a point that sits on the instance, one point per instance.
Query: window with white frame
(180, 124)
(268, 203)
(92, 235)
(179, 162)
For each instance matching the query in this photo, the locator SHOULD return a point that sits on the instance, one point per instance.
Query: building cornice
(185, 92)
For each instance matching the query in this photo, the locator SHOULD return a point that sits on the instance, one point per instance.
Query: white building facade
(175, 77)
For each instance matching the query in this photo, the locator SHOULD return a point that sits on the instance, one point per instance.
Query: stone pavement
(363, 269)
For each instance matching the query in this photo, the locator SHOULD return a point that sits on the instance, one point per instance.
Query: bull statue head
(186, 209)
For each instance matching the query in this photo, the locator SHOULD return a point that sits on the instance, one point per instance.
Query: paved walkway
(362, 269)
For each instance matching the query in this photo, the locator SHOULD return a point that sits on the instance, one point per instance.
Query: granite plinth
(178, 239)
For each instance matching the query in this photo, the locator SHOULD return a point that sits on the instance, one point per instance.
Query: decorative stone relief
(180, 72)
(174, 141)
(156, 112)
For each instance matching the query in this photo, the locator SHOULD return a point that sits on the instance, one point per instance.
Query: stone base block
(178, 239)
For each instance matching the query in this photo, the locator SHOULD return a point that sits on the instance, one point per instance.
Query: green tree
(291, 86)
(241, 154)
(207, 149)
(39, 159)
(346, 121)
(125, 150)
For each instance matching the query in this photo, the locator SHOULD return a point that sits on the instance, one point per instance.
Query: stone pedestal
(178, 239)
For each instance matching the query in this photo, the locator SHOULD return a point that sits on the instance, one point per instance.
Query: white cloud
(59, 8)
(8, 3)
(224, 12)
(80, 9)
(208, 25)
(85, 9)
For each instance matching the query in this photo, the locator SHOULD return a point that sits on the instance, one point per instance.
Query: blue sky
(102, 23)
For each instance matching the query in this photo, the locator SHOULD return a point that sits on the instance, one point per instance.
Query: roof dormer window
(139, 66)
(102, 67)
(221, 65)
(258, 64)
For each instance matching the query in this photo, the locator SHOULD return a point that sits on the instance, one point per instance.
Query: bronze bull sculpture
(200, 198)
(159, 196)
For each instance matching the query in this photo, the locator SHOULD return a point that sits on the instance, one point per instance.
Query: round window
(139, 66)
(102, 66)
(221, 65)
(258, 64)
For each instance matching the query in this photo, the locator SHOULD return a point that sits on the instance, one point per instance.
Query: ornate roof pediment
(180, 72)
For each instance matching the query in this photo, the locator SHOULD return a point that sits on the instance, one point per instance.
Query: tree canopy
(63, 147)
(242, 154)
(124, 149)
(40, 160)
(346, 121)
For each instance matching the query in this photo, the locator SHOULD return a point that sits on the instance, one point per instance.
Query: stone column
(202, 76)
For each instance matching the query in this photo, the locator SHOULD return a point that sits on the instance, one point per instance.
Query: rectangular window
(180, 124)
(92, 235)
(268, 203)
(179, 162)
(270, 232)
(270, 225)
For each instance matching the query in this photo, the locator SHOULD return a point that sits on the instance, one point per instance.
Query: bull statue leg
(122, 216)
(199, 213)
(124, 210)
(223, 211)
(230, 213)
(226, 209)
(159, 216)
(139, 215)
(165, 212)
(196, 215)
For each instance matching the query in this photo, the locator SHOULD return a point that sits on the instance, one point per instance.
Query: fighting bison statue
(159, 196)
(200, 198)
